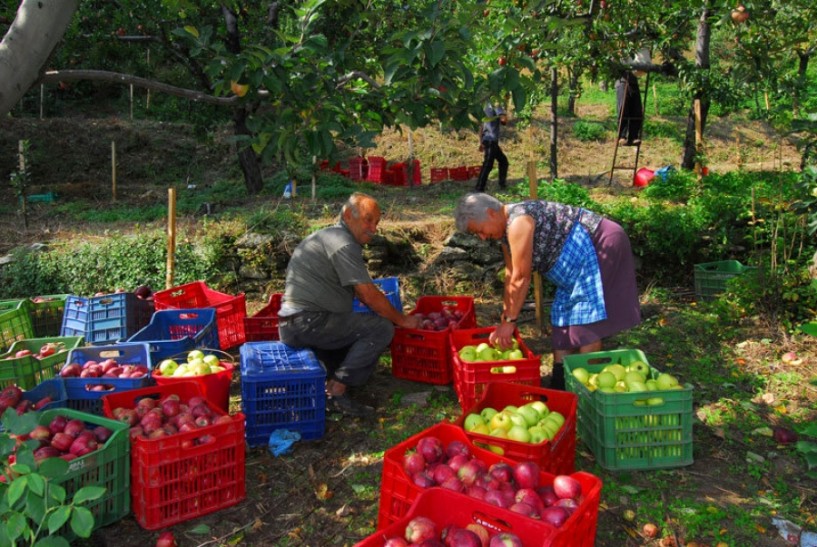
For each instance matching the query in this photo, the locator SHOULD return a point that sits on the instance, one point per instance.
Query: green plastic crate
(711, 277)
(108, 467)
(622, 430)
(15, 323)
(46, 313)
(28, 371)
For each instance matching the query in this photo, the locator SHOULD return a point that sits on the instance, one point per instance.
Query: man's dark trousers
(492, 152)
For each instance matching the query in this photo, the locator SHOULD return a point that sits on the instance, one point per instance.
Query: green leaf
(811, 460)
(16, 525)
(810, 328)
(87, 493)
(192, 30)
(36, 483)
(82, 522)
(53, 468)
(437, 53)
(200, 529)
(56, 493)
(58, 518)
(16, 489)
(52, 541)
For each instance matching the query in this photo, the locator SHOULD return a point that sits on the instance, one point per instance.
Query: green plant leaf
(811, 460)
(809, 328)
(52, 468)
(82, 522)
(200, 529)
(36, 483)
(52, 541)
(57, 493)
(58, 518)
(16, 525)
(87, 493)
(16, 489)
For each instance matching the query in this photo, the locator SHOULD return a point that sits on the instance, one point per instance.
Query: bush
(589, 131)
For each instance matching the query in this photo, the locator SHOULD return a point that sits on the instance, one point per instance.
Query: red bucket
(215, 387)
(643, 177)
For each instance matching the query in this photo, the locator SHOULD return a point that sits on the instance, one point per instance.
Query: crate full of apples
(29, 362)
(524, 422)
(631, 415)
(422, 355)
(442, 457)
(211, 369)
(187, 455)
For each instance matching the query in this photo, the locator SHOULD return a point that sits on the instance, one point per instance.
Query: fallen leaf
(781, 409)
(740, 362)
(257, 524)
(767, 398)
(343, 511)
(323, 493)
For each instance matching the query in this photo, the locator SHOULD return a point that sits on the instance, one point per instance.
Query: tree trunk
(554, 121)
(573, 87)
(701, 62)
(247, 158)
(802, 67)
(25, 48)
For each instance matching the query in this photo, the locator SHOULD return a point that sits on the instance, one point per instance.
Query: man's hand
(410, 322)
(503, 336)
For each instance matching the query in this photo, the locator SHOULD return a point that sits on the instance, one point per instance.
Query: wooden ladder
(634, 167)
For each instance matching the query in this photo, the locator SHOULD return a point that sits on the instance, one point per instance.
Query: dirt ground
(326, 491)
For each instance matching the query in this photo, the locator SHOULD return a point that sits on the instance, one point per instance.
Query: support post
(699, 138)
(113, 170)
(171, 237)
(537, 279)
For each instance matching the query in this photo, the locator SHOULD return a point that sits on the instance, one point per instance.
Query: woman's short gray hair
(473, 207)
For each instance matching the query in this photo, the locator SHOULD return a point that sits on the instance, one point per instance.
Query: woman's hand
(503, 336)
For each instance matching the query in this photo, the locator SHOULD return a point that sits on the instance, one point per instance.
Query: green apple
(518, 419)
(652, 385)
(550, 428)
(666, 381)
(482, 429)
(633, 376)
(468, 353)
(499, 433)
(556, 417)
(211, 360)
(519, 433)
(655, 401)
(487, 413)
(530, 414)
(500, 420)
(621, 387)
(515, 355)
(538, 435)
(473, 419)
(487, 354)
(581, 375)
(168, 367)
(606, 379)
(195, 354)
(639, 366)
(617, 369)
(636, 387)
(216, 368)
(481, 346)
(181, 370)
(511, 408)
(199, 367)
(540, 407)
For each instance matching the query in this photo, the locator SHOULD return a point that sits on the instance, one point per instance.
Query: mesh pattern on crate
(108, 467)
(46, 314)
(105, 319)
(555, 456)
(173, 482)
(172, 332)
(230, 310)
(27, 371)
(621, 429)
(281, 388)
(711, 277)
(15, 323)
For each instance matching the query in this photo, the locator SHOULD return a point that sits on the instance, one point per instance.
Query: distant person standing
(630, 110)
(489, 145)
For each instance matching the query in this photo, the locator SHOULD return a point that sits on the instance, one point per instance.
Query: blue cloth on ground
(281, 441)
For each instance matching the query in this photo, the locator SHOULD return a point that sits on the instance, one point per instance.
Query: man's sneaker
(343, 404)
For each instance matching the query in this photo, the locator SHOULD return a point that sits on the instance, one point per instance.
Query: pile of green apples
(486, 352)
(532, 423)
(633, 378)
(197, 364)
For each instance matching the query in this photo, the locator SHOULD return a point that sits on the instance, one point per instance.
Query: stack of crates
(711, 277)
(458, 173)
(377, 169)
(438, 174)
(173, 332)
(46, 314)
(180, 477)
(473, 171)
(15, 322)
(358, 167)
(230, 310)
(629, 431)
(105, 319)
(281, 388)
(423, 355)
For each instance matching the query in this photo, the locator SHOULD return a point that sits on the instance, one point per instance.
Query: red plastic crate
(423, 355)
(358, 167)
(377, 169)
(556, 456)
(174, 479)
(458, 173)
(438, 174)
(215, 387)
(230, 310)
(263, 326)
(446, 507)
(417, 174)
(473, 171)
(398, 492)
(399, 175)
(471, 378)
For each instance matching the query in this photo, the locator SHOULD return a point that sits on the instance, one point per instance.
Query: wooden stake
(131, 102)
(113, 170)
(537, 279)
(171, 237)
(42, 97)
(21, 148)
(147, 99)
(655, 100)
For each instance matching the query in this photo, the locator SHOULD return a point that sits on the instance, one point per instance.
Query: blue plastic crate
(172, 332)
(390, 287)
(54, 388)
(281, 388)
(80, 392)
(105, 319)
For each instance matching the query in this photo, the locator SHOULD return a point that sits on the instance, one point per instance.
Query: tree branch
(356, 74)
(55, 76)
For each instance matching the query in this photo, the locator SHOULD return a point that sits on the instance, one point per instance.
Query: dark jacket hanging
(630, 110)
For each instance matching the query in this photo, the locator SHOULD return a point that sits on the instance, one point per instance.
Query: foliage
(565, 192)
(33, 505)
(587, 131)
